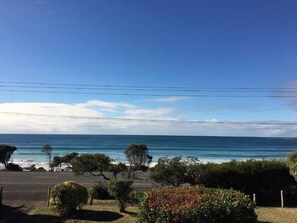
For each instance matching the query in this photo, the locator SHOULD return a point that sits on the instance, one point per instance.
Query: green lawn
(101, 211)
(107, 211)
(276, 215)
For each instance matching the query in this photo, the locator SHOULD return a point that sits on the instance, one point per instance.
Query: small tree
(94, 164)
(117, 168)
(48, 151)
(292, 163)
(169, 171)
(57, 162)
(5, 153)
(67, 159)
(137, 156)
(120, 189)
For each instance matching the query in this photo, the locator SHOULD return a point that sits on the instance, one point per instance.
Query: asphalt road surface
(31, 188)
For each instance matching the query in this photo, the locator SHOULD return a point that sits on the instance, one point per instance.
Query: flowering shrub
(66, 197)
(195, 205)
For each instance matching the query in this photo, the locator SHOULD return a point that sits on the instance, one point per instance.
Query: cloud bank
(104, 117)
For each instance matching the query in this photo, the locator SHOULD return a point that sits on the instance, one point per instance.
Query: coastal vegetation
(5, 153)
(292, 164)
(94, 164)
(65, 198)
(47, 149)
(187, 189)
(99, 191)
(263, 177)
(59, 160)
(195, 204)
(120, 190)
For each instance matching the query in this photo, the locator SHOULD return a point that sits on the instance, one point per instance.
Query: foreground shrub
(99, 190)
(65, 198)
(195, 205)
(120, 190)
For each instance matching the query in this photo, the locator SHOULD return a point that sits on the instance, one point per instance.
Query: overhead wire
(153, 91)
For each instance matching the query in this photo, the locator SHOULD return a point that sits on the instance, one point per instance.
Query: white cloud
(59, 118)
(157, 113)
(170, 99)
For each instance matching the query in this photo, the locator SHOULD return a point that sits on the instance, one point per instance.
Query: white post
(282, 198)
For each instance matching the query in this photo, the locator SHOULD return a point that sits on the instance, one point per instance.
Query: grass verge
(107, 211)
(101, 211)
(276, 215)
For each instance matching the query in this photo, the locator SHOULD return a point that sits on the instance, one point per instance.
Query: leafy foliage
(292, 164)
(120, 189)
(169, 171)
(250, 176)
(265, 176)
(195, 205)
(137, 155)
(99, 190)
(5, 153)
(67, 159)
(65, 198)
(118, 168)
(47, 149)
(91, 163)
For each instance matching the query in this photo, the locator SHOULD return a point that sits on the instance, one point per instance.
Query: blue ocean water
(206, 148)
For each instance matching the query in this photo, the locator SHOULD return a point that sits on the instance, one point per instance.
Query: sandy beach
(32, 187)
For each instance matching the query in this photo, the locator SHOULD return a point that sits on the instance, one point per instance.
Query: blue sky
(149, 43)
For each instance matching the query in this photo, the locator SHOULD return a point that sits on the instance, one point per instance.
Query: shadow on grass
(16, 215)
(133, 214)
(96, 215)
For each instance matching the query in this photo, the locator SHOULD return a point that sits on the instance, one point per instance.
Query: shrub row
(250, 176)
(266, 176)
(66, 197)
(195, 205)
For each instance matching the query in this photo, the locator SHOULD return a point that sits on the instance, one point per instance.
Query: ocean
(205, 148)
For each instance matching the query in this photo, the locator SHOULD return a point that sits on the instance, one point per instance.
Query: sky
(203, 67)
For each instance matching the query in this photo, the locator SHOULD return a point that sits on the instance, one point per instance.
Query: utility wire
(151, 94)
(155, 120)
(152, 89)
(147, 87)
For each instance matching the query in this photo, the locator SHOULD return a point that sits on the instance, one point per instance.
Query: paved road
(31, 187)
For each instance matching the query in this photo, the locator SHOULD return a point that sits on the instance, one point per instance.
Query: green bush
(265, 176)
(195, 205)
(65, 198)
(99, 190)
(251, 176)
(120, 189)
(169, 171)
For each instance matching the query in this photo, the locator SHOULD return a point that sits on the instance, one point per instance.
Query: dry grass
(276, 215)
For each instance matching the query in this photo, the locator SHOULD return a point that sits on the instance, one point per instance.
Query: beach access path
(31, 188)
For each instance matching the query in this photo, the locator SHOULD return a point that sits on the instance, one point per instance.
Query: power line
(147, 87)
(151, 94)
(153, 89)
(155, 120)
